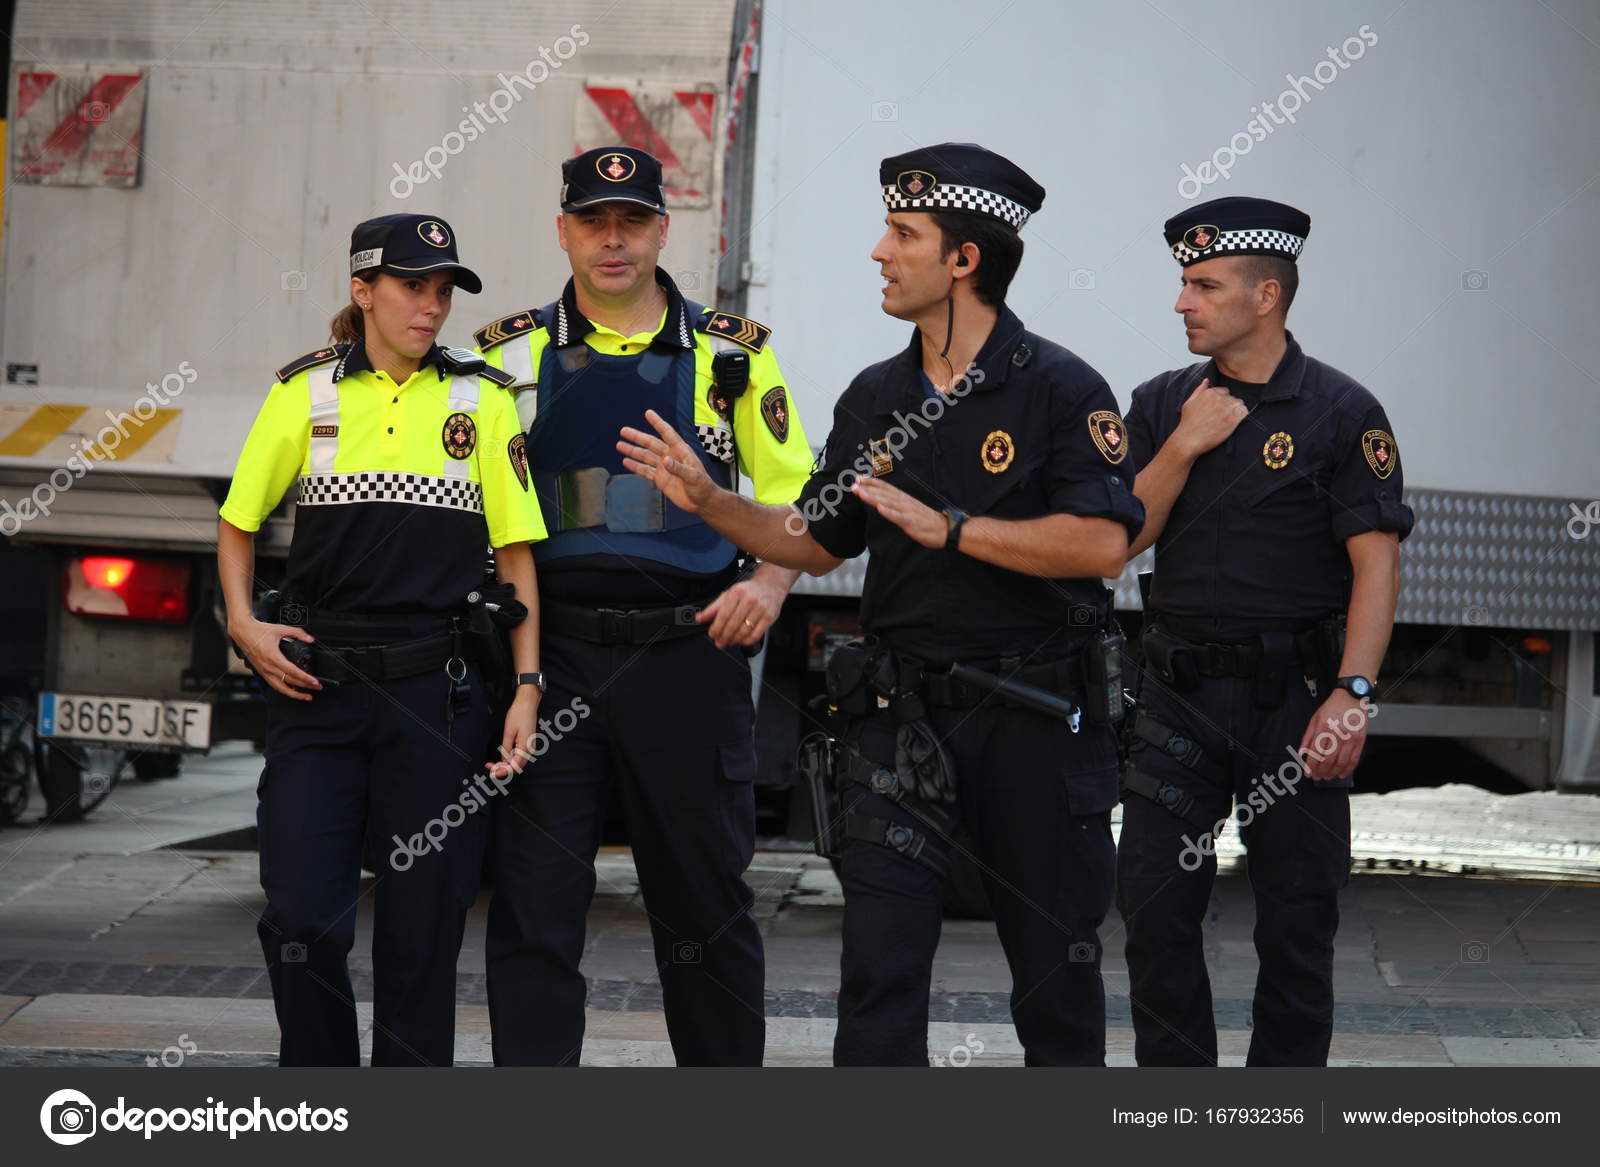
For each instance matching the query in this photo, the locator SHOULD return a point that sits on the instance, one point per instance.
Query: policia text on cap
(410, 463)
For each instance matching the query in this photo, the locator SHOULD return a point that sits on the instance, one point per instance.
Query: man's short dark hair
(1261, 268)
(999, 250)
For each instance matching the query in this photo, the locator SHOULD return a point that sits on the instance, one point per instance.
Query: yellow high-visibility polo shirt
(402, 487)
(770, 443)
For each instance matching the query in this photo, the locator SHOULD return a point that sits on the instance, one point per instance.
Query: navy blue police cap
(961, 177)
(409, 245)
(613, 174)
(1237, 226)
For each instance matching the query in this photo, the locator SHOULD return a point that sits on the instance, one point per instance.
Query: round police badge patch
(1277, 451)
(460, 436)
(1381, 452)
(998, 451)
(433, 233)
(615, 167)
(1200, 237)
(1110, 438)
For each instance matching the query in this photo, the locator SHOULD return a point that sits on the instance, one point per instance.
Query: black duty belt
(382, 662)
(1244, 658)
(1062, 676)
(619, 625)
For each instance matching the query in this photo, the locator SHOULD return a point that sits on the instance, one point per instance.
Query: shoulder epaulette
(311, 360)
(506, 327)
(736, 328)
(499, 376)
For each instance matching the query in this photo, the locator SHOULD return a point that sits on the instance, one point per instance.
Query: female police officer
(410, 459)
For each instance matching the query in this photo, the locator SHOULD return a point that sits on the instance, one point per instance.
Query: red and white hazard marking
(78, 127)
(675, 124)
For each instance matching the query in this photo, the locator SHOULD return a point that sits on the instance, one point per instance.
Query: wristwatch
(952, 538)
(531, 679)
(1355, 686)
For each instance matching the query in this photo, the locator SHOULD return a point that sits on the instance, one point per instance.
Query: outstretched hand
(669, 462)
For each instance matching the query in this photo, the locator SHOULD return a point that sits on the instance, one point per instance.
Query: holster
(1170, 659)
(492, 611)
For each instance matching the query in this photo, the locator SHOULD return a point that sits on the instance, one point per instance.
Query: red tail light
(134, 589)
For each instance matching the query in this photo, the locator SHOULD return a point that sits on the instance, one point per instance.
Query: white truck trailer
(182, 181)
(183, 178)
(1449, 157)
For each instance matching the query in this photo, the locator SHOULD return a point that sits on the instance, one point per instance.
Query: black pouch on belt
(1278, 655)
(1170, 659)
(848, 671)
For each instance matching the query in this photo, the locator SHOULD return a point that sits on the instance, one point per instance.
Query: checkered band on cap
(945, 197)
(391, 486)
(1276, 242)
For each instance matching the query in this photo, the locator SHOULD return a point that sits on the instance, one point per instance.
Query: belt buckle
(683, 616)
(611, 623)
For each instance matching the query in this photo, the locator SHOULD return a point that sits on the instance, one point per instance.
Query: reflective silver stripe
(463, 399)
(324, 412)
(516, 358)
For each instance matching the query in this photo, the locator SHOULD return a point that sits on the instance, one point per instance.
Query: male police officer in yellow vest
(643, 631)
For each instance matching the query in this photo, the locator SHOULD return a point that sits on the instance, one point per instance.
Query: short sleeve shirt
(1032, 431)
(1256, 538)
(402, 488)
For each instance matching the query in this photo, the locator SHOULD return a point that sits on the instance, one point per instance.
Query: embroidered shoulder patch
(1381, 453)
(506, 327)
(311, 360)
(775, 412)
(1110, 438)
(517, 452)
(736, 328)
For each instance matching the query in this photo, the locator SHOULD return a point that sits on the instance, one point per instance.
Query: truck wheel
(16, 772)
(153, 767)
(76, 779)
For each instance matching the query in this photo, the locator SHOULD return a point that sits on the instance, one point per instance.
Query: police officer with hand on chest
(984, 468)
(646, 623)
(1272, 487)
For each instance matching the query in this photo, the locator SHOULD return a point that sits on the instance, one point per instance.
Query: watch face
(1359, 686)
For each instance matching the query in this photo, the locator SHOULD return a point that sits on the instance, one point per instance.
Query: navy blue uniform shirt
(1036, 432)
(1256, 538)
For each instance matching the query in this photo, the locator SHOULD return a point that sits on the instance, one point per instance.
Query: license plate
(132, 720)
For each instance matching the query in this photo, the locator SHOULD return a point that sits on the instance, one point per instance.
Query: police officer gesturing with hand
(410, 464)
(644, 625)
(983, 467)
(1272, 488)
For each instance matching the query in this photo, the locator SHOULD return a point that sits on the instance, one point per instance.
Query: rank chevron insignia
(506, 327)
(736, 328)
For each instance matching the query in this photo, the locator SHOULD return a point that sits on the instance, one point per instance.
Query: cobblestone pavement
(121, 949)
